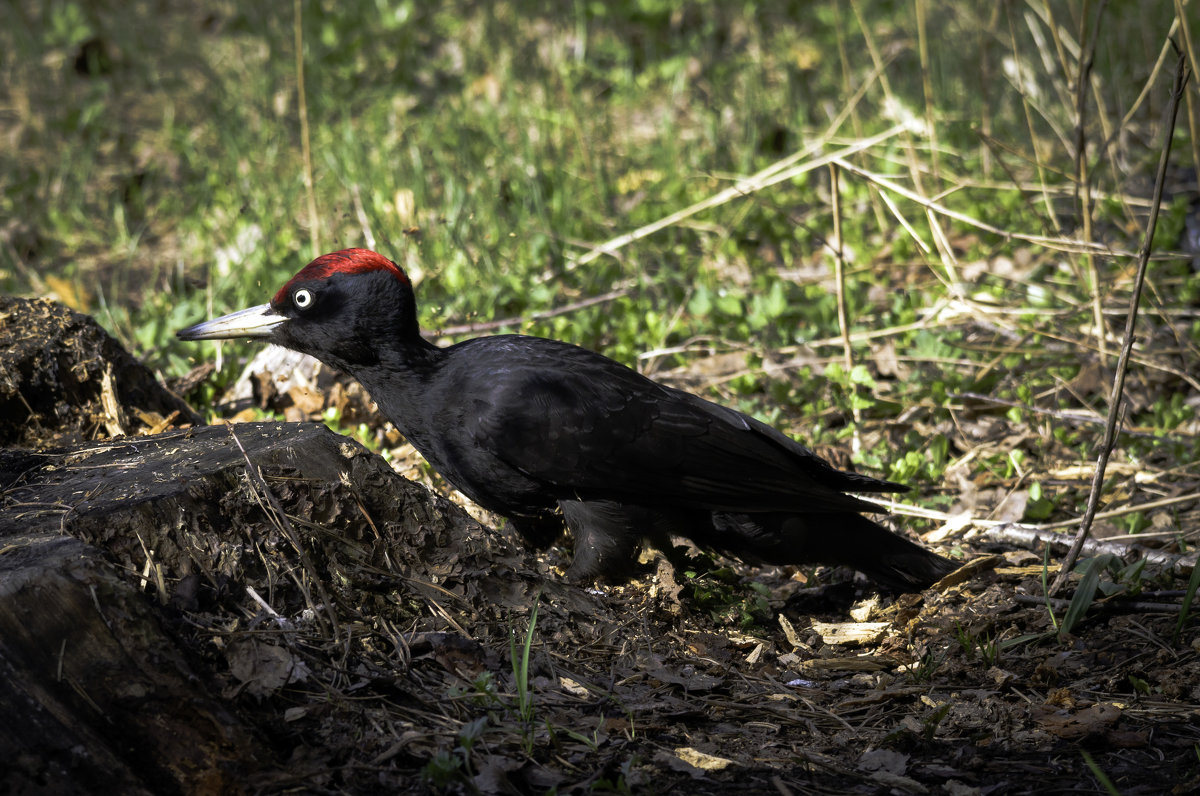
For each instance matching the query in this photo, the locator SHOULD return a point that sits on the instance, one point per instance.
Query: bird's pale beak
(257, 321)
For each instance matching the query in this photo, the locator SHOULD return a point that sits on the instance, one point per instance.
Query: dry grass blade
(314, 226)
(1083, 177)
(780, 171)
(360, 213)
(285, 524)
(1118, 388)
(1058, 243)
(566, 309)
(1026, 106)
(927, 86)
(1189, 49)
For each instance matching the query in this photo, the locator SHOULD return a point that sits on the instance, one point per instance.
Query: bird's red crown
(346, 261)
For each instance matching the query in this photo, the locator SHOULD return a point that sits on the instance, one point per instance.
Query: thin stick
(910, 510)
(1152, 80)
(985, 84)
(1189, 50)
(305, 142)
(839, 272)
(1083, 185)
(1127, 510)
(944, 251)
(1118, 388)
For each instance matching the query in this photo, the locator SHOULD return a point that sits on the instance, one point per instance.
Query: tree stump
(105, 545)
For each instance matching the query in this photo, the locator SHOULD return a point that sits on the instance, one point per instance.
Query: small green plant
(442, 769)
(989, 649)
(964, 639)
(455, 765)
(923, 670)
(1135, 522)
(857, 383)
(1046, 588)
(1098, 773)
(1185, 610)
(592, 742)
(620, 782)
(924, 459)
(728, 598)
(931, 722)
(519, 656)
(481, 691)
(1122, 579)
(1140, 686)
(1085, 593)
(983, 644)
(1039, 507)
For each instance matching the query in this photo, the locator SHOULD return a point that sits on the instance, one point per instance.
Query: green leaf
(1085, 592)
(859, 374)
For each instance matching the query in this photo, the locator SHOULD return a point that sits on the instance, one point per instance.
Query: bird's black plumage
(547, 433)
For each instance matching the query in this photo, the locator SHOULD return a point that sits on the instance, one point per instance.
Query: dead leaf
(306, 399)
(1001, 677)
(572, 687)
(688, 677)
(492, 776)
(1090, 380)
(884, 760)
(262, 668)
(1012, 508)
(463, 656)
(1093, 720)
(888, 363)
(702, 760)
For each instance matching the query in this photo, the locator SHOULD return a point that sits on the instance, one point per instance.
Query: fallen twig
(1109, 606)
(1030, 537)
(1118, 388)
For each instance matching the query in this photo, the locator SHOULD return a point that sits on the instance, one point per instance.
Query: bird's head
(342, 308)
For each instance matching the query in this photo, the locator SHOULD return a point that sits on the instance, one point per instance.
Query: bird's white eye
(303, 298)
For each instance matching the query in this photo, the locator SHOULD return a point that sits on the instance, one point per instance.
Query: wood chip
(702, 760)
(850, 632)
(864, 664)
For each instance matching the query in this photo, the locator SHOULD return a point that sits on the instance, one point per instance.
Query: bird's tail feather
(887, 559)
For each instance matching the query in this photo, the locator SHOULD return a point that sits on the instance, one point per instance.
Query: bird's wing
(593, 428)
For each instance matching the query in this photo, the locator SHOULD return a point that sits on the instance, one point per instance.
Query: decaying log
(97, 696)
(64, 379)
(182, 503)
(101, 544)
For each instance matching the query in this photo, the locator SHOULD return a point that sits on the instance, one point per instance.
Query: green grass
(158, 180)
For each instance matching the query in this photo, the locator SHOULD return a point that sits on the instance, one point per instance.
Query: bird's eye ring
(303, 298)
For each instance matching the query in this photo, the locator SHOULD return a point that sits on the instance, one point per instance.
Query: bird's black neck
(399, 382)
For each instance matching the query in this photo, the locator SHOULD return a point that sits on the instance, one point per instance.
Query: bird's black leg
(539, 532)
(606, 538)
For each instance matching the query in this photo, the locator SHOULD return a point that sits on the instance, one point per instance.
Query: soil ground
(395, 662)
